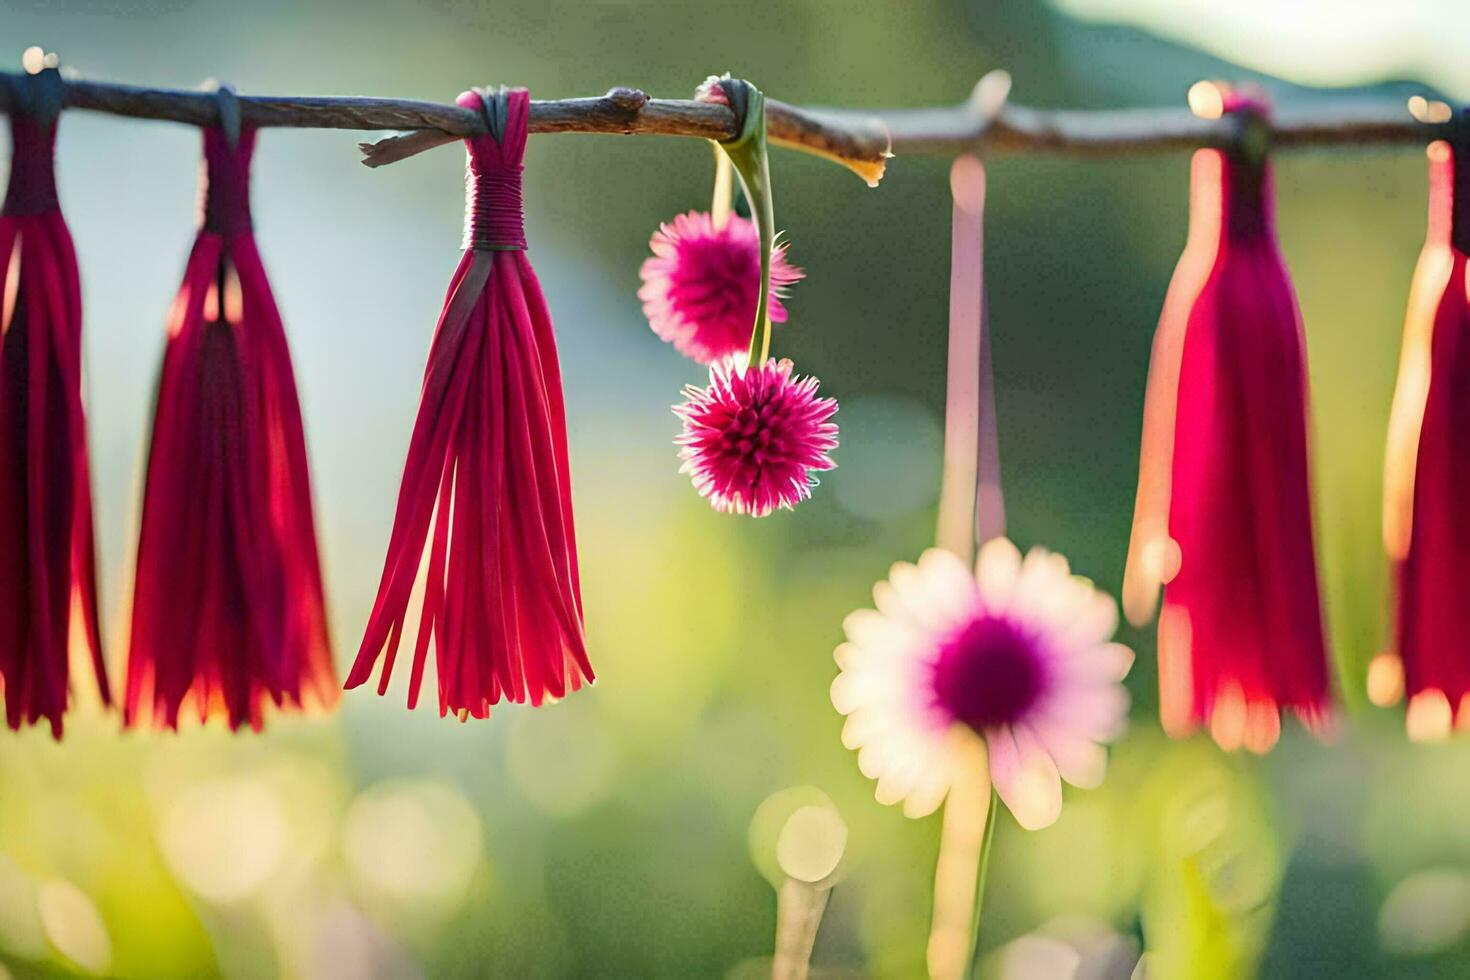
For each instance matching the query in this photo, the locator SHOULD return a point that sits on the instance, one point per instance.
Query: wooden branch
(862, 141)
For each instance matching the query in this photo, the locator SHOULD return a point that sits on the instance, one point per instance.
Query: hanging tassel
(48, 580)
(487, 469)
(229, 613)
(1224, 513)
(1426, 524)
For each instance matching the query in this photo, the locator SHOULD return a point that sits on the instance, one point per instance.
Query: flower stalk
(971, 511)
(964, 850)
(799, 909)
(809, 853)
(747, 153)
(720, 206)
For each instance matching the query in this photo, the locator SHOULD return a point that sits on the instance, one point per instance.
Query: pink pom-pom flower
(753, 439)
(702, 284)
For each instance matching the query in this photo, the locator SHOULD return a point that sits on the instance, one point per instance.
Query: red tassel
(228, 605)
(48, 581)
(487, 467)
(1224, 511)
(1426, 523)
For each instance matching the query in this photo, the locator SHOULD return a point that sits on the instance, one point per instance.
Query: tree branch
(862, 141)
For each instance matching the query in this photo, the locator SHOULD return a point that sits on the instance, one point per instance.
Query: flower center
(754, 439)
(988, 673)
(721, 276)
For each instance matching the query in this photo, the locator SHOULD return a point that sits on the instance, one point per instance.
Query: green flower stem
(748, 153)
(981, 872)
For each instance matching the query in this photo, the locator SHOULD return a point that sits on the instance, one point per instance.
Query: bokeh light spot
(563, 761)
(811, 844)
(1429, 718)
(224, 838)
(889, 461)
(768, 828)
(1385, 680)
(1206, 100)
(1034, 956)
(1426, 912)
(74, 925)
(414, 841)
(20, 921)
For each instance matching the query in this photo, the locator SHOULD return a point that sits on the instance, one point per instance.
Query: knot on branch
(630, 100)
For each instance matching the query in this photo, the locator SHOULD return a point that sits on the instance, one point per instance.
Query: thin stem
(747, 153)
(799, 908)
(981, 875)
(719, 210)
(964, 848)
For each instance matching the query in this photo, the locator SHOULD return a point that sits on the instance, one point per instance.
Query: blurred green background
(608, 835)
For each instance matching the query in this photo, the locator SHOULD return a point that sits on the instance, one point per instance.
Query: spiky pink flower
(754, 437)
(702, 284)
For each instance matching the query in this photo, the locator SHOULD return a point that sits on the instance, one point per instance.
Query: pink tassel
(48, 582)
(487, 468)
(229, 612)
(1224, 513)
(1426, 523)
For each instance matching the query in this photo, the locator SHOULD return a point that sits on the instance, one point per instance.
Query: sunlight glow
(1206, 100)
(1386, 680)
(1429, 111)
(12, 286)
(1262, 726)
(1429, 716)
(1151, 561)
(1310, 42)
(1228, 718)
(1176, 678)
(1411, 390)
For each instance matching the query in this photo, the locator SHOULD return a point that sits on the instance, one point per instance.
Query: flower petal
(1081, 762)
(951, 587)
(1025, 777)
(927, 796)
(996, 571)
(1097, 713)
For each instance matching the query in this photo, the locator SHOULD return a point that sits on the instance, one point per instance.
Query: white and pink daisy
(1019, 652)
(754, 438)
(701, 287)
